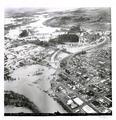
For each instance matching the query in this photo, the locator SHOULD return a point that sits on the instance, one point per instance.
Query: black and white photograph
(57, 59)
(58, 62)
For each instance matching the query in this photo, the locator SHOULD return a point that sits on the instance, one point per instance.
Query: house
(69, 102)
(73, 105)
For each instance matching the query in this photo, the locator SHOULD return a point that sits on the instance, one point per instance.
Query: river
(30, 85)
(33, 86)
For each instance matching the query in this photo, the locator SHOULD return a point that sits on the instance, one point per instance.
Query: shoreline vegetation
(18, 100)
(60, 39)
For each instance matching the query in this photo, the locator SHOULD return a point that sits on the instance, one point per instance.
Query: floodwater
(32, 87)
(41, 31)
(27, 82)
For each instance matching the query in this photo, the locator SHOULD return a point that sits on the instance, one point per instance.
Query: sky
(56, 4)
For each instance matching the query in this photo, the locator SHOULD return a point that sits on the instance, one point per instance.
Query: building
(88, 109)
(78, 101)
(73, 105)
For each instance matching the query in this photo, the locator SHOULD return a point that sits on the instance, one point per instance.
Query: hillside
(86, 17)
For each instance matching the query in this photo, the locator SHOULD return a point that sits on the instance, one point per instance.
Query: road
(29, 84)
(99, 45)
(90, 47)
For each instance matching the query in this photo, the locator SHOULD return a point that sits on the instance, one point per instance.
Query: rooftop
(78, 101)
(88, 109)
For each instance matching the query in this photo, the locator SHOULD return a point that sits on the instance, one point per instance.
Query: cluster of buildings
(80, 99)
(92, 36)
(23, 55)
(88, 77)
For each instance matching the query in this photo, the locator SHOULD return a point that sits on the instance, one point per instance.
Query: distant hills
(83, 16)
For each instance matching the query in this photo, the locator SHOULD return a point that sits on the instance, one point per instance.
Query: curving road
(55, 64)
(99, 45)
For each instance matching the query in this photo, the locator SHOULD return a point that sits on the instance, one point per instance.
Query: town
(66, 67)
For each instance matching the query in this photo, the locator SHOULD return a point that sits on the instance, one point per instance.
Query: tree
(68, 38)
(75, 29)
(24, 33)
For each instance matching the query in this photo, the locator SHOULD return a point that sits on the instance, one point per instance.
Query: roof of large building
(88, 109)
(78, 101)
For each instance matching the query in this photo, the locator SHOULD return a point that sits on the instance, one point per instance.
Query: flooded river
(32, 87)
(27, 82)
